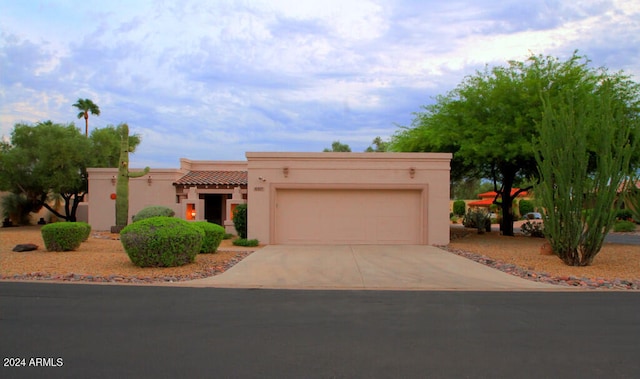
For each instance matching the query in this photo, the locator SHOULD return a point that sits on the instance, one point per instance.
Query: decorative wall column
(192, 208)
(236, 198)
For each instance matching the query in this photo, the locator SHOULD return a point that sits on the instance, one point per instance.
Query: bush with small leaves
(213, 234)
(246, 242)
(63, 236)
(477, 219)
(525, 206)
(240, 220)
(459, 207)
(161, 242)
(624, 214)
(533, 229)
(624, 226)
(87, 231)
(153, 211)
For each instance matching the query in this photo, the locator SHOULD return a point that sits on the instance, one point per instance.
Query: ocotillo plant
(122, 187)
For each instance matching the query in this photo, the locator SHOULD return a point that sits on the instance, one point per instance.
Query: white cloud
(209, 80)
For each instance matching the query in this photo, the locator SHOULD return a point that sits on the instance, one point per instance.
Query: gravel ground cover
(102, 259)
(615, 267)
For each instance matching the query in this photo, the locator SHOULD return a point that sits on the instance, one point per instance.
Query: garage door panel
(306, 216)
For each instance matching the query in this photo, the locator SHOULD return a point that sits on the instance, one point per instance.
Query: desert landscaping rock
(25, 247)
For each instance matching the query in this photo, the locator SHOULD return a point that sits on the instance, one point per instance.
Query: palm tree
(86, 106)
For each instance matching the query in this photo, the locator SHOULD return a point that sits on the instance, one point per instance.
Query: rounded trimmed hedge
(246, 242)
(213, 235)
(161, 242)
(87, 231)
(624, 226)
(153, 211)
(63, 236)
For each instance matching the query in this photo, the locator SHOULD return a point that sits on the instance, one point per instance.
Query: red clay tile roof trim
(237, 178)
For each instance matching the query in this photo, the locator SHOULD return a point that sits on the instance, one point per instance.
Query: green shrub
(213, 234)
(63, 236)
(227, 236)
(533, 229)
(525, 206)
(153, 211)
(161, 242)
(240, 220)
(246, 242)
(454, 219)
(477, 219)
(87, 231)
(624, 214)
(459, 207)
(17, 208)
(624, 226)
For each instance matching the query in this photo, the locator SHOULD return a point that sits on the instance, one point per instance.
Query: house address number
(258, 188)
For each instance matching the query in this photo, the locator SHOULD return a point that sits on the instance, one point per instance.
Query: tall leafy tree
(336, 146)
(44, 160)
(48, 160)
(378, 145)
(86, 106)
(489, 121)
(105, 145)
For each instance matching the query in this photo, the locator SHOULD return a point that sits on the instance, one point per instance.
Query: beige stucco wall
(156, 188)
(142, 192)
(428, 172)
(187, 165)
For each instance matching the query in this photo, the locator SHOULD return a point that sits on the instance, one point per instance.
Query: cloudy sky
(214, 79)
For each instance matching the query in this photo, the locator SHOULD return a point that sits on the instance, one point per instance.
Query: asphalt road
(99, 331)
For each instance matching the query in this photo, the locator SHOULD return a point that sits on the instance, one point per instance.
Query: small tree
(525, 206)
(459, 207)
(336, 146)
(580, 203)
(44, 160)
(377, 146)
(240, 220)
(16, 207)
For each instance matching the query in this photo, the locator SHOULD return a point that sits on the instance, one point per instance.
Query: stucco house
(298, 198)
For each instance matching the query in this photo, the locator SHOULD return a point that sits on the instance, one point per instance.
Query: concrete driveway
(402, 267)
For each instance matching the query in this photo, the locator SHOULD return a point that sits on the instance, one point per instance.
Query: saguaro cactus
(122, 186)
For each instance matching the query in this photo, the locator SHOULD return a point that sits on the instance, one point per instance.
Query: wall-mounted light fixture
(149, 180)
(262, 179)
(285, 171)
(113, 180)
(191, 211)
(412, 172)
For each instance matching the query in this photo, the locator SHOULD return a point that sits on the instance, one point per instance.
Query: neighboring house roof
(481, 203)
(487, 198)
(492, 194)
(237, 178)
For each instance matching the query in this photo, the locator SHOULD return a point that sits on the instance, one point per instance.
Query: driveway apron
(399, 267)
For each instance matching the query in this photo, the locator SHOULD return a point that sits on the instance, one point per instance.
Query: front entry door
(213, 206)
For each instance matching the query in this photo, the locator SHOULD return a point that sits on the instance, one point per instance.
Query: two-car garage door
(349, 216)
